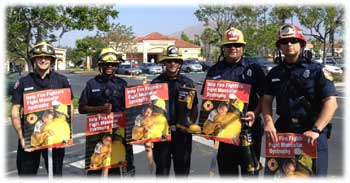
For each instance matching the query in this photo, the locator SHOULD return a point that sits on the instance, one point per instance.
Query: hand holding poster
(147, 113)
(47, 117)
(291, 156)
(223, 104)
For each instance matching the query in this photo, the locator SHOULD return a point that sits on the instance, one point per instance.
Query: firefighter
(305, 96)
(42, 57)
(105, 94)
(232, 66)
(180, 147)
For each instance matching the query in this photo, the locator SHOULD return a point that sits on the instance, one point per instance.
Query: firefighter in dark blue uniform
(234, 67)
(305, 96)
(43, 78)
(104, 94)
(179, 113)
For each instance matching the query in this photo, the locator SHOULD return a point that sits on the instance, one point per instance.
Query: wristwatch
(315, 129)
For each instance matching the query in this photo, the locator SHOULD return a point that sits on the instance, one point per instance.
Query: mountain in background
(190, 31)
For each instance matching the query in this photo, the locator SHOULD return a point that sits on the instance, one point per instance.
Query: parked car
(331, 65)
(127, 69)
(191, 66)
(206, 65)
(151, 68)
(266, 65)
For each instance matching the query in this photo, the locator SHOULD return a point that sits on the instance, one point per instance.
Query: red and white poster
(223, 104)
(291, 156)
(105, 136)
(146, 108)
(47, 116)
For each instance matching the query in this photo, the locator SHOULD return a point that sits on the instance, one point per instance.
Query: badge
(208, 105)
(249, 72)
(327, 74)
(272, 164)
(306, 73)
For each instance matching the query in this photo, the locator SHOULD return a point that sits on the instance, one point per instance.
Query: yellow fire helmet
(233, 35)
(158, 102)
(61, 109)
(171, 53)
(109, 55)
(42, 49)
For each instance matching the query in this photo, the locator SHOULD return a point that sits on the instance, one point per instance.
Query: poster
(291, 156)
(105, 136)
(47, 119)
(222, 106)
(146, 106)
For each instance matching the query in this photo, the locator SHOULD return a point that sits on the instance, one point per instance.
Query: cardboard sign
(291, 156)
(147, 113)
(223, 104)
(47, 118)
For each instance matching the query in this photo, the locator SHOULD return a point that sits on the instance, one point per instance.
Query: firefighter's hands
(106, 108)
(311, 136)
(249, 117)
(271, 132)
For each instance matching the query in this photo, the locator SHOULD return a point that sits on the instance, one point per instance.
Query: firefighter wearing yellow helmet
(43, 77)
(180, 147)
(233, 66)
(104, 93)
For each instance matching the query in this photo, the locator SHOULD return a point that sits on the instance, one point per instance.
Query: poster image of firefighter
(146, 108)
(222, 106)
(47, 119)
(105, 141)
(291, 156)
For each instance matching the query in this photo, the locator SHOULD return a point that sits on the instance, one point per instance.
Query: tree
(29, 25)
(120, 37)
(185, 37)
(281, 14)
(209, 38)
(321, 22)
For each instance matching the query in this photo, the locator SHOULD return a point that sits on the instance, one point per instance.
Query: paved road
(202, 149)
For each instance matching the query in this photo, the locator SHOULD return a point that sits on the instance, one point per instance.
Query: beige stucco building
(149, 48)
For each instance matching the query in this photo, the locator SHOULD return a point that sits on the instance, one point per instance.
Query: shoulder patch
(327, 74)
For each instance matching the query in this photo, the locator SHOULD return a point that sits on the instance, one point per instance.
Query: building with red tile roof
(149, 48)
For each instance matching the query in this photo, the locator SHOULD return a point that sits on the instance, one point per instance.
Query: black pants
(229, 159)
(28, 162)
(257, 133)
(179, 149)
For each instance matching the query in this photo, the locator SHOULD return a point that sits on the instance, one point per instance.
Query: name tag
(95, 90)
(275, 79)
(29, 88)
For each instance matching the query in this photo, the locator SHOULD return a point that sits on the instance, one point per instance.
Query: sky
(144, 20)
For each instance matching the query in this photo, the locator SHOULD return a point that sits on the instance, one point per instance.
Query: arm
(270, 129)
(86, 109)
(16, 122)
(329, 107)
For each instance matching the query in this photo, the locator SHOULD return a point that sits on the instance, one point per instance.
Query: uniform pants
(257, 133)
(179, 149)
(229, 159)
(28, 162)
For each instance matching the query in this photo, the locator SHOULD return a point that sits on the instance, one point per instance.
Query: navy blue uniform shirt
(299, 89)
(33, 82)
(242, 72)
(100, 90)
(173, 93)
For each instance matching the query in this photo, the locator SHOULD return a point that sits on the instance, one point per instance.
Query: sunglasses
(233, 45)
(286, 41)
(173, 61)
(109, 64)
